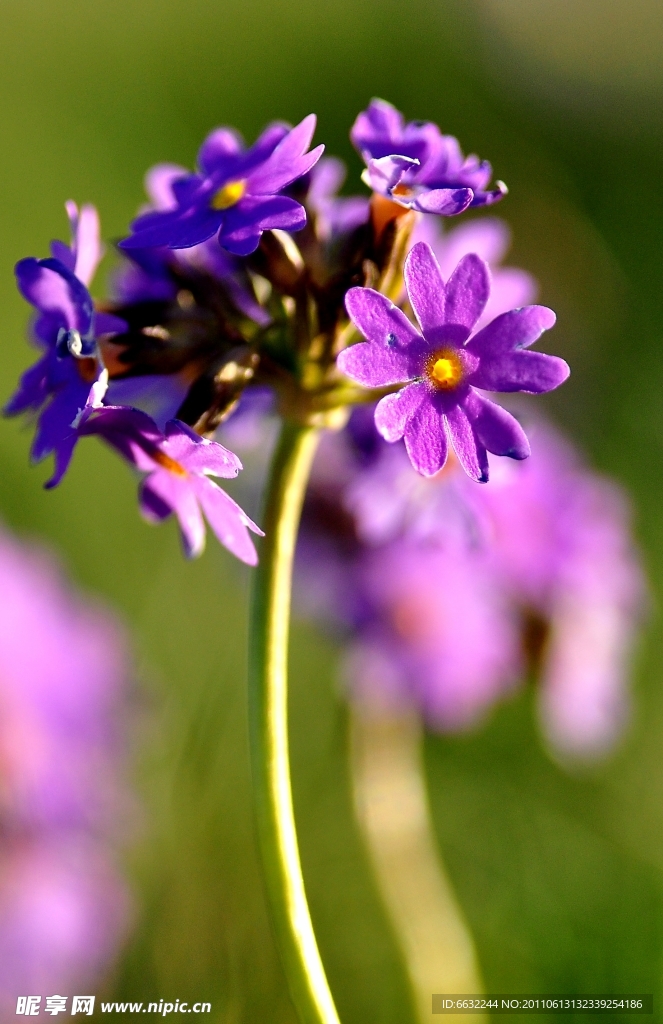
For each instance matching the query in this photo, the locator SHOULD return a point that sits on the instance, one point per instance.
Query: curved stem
(392, 809)
(268, 727)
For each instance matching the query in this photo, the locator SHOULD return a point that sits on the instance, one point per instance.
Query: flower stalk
(268, 727)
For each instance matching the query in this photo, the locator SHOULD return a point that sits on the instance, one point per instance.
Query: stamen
(170, 464)
(445, 369)
(228, 195)
(402, 191)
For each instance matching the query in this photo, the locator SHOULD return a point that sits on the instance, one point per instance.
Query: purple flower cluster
(449, 595)
(64, 907)
(253, 272)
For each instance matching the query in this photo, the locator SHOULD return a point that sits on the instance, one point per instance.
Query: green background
(560, 875)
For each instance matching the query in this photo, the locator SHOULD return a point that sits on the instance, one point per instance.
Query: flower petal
(470, 450)
(228, 521)
(221, 148)
(496, 429)
(173, 229)
(426, 439)
(178, 493)
(396, 352)
(393, 412)
(425, 287)
(157, 395)
(468, 289)
(446, 202)
(62, 456)
(517, 329)
(86, 236)
(152, 507)
(52, 289)
(55, 422)
(379, 122)
(532, 372)
(131, 432)
(159, 185)
(288, 161)
(198, 454)
(384, 174)
(264, 213)
(32, 390)
(503, 363)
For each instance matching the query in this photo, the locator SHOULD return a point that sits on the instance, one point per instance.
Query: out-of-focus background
(560, 874)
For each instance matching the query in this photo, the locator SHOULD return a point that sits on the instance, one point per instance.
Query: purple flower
(178, 464)
(236, 194)
(156, 274)
(66, 329)
(64, 907)
(416, 166)
(445, 364)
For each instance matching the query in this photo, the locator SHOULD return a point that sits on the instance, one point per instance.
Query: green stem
(268, 725)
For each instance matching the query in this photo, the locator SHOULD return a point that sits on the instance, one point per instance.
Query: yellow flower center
(446, 369)
(170, 464)
(228, 195)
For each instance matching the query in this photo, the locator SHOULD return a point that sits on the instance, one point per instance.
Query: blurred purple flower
(178, 464)
(416, 166)
(446, 364)
(489, 238)
(236, 194)
(448, 592)
(565, 551)
(63, 906)
(446, 629)
(66, 329)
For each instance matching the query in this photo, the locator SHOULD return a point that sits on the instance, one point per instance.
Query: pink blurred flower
(63, 904)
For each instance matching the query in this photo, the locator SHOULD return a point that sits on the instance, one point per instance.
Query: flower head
(236, 194)
(445, 364)
(67, 329)
(416, 166)
(178, 464)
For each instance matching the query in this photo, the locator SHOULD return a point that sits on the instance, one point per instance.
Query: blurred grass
(561, 877)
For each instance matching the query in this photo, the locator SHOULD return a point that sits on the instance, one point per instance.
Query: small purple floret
(444, 365)
(417, 166)
(236, 194)
(178, 463)
(152, 274)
